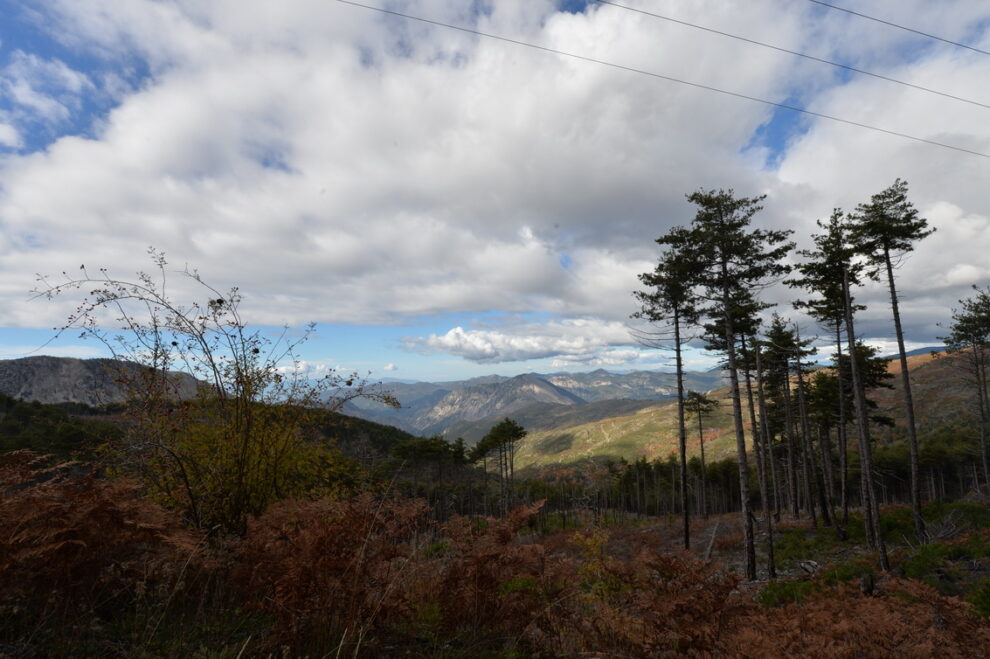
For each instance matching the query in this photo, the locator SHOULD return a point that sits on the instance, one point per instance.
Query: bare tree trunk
(871, 510)
(682, 429)
(789, 429)
(762, 472)
(912, 428)
(843, 447)
(825, 445)
(984, 404)
(704, 486)
(816, 469)
(767, 439)
(805, 441)
(747, 517)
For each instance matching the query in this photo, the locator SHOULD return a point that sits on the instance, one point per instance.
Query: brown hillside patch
(914, 361)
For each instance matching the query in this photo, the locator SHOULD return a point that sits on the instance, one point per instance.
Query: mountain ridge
(94, 382)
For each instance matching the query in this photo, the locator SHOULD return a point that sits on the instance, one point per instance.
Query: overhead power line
(660, 76)
(899, 27)
(792, 52)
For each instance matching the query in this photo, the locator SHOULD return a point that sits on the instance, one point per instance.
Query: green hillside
(650, 433)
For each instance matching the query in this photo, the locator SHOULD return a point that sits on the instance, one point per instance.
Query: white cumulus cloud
(578, 340)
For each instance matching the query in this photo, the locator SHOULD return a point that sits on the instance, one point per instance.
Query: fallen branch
(711, 542)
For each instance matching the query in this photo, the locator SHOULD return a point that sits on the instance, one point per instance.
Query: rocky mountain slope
(638, 385)
(431, 409)
(62, 379)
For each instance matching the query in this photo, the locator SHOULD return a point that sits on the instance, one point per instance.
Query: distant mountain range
(571, 418)
(469, 408)
(466, 408)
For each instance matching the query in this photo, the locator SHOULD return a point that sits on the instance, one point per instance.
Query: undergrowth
(90, 568)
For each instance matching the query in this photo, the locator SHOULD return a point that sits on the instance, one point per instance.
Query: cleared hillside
(650, 433)
(943, 395)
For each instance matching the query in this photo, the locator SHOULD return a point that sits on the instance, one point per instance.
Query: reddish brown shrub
(73, 544)
(494, 587)
(909, 619)
(656, 604)
(331, 573)
(728, 543)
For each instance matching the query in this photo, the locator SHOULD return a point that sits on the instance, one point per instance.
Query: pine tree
(821, 274)
(735, 261)
(969, 335)
(671, 303)
(779, 348)
(885, 229)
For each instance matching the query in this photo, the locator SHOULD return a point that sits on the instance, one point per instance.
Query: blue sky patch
(776, 134)
(26, 47)
(575, 6)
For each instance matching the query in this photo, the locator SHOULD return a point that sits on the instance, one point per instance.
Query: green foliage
(553, 522)
(944, 564)
(699, 405)
(979, 597)
(849, 570)
(824, 269)
(434, 449)
(797, 542)
(896, 521)
(971, 515)
(887, 225)
(519, 584)
(501, 438)
(780, 593)
(970, 327)
(49, 429)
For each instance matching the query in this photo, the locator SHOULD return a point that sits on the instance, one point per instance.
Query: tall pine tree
(671, 304)
(884, 230)
(734, 261)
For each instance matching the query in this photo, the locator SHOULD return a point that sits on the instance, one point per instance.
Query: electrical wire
(792, 52)
(899, 27)
(660, 76)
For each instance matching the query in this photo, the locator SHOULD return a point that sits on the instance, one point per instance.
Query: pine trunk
(747, 516)
(871, 510)
(843, 444)
(912, 428)
(682, 429)
(761, 468)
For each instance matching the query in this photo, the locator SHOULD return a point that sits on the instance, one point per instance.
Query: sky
(444, 205)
